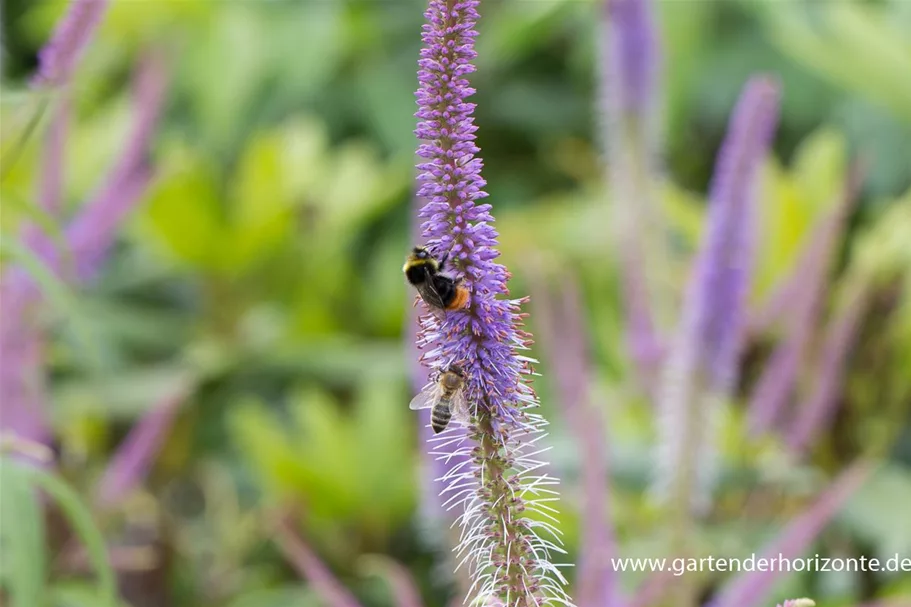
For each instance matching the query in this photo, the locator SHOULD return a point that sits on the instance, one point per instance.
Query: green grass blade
(22, 532)
(81, 521)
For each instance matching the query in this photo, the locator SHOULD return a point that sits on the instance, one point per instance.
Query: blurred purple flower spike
(92, 232)
(22, 395)
(60, 56)
(88, 238)
(748, 589)
(815, 414)
(135, 455)
(560, 321)
(306, 562)
(776, 384)
(630, 70)
(22, 412)
(50, 195)
(722, 277)
(702, 368)
(21, 343)
(633, 61)
(508, 561)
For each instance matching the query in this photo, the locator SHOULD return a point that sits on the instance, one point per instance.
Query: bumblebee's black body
(424, 272)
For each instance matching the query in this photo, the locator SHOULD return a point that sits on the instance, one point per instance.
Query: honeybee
(446, 397)
(424, 272)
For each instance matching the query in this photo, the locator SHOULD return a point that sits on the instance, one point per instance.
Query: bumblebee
(446, 397)
(425, 273)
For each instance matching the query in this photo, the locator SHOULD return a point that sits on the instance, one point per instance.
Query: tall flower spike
(816, 412)
(136, 454)
(59, 57)
(560, 323)
(88, 237)
(777, 382)
(702, 368)
(501, 483)
(629, 71)
(92, 232)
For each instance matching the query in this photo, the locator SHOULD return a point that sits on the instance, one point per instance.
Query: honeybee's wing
(426, 399)
(459, 406)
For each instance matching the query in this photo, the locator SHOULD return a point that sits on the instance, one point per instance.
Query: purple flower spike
(775, 386)
(702, 368)
(58, 59)
(435, 510)
(92, 232)
(722, 278)
(814, 415)
(508, 561)
(564, 338)
(88, 237)
(22, 391)
(307, 563)
(135, 455)
(634, 59)
(630, 67)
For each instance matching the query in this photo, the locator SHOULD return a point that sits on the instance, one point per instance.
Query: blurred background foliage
(260, 275)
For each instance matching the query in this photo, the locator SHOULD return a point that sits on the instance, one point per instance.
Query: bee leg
(442, 261)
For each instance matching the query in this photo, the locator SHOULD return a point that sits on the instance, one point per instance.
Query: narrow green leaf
(81, 521)
(22, 531)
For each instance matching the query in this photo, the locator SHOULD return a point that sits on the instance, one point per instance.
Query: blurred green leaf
(229, 66)
(874, 511)
(75, 594)
(357, 189)
(288, 596)
(261, 213)
(848, 44)
(339, 460)
(80, 518)
(126, 394)
(685, 38)
(883, 251)
(389, 101)
(94, 142)
(793, 201)
(265, 445)
(22, 531)
(515, 29)
(183, 213)
(305, 158)
(339, 360)
(308, 45)
(820, 164)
